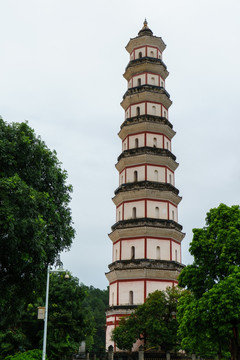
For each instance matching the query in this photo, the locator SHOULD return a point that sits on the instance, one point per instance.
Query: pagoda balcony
(146, 59)
(147, 222)
(146, 185)
(146, 87)
(146, 118)
(146, 150)
(145, 263)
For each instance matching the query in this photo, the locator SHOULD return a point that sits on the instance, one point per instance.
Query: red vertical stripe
(117, 293)
(168, 210)
(146, 108)
(145, 289)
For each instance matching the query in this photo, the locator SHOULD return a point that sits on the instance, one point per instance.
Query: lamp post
(46, 308)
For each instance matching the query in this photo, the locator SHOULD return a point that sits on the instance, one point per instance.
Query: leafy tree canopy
(211, 310)
(154, 322)
(35, 219)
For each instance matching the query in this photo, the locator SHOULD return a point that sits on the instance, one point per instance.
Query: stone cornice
(145, 64)
(149, 159)
(146, 193)
(145, 263)
(146, 96)
(146, 150)
(145, 40)
(145, 123)
(146, 185)
(146, 87)
(142, 222)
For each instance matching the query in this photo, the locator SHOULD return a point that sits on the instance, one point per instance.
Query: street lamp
(46, 308)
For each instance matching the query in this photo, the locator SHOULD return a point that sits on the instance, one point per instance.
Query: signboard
(41, 312)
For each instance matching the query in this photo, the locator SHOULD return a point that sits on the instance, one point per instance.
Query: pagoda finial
(145, 24)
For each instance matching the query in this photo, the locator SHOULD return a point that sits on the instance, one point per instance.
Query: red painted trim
(146, 81)
(117, 292)
(142, 279)
(145, 248)
(145, 290)
(148, 237)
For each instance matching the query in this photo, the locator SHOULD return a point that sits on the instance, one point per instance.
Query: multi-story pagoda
(146, 237)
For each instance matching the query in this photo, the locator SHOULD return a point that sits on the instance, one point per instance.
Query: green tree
(96, 302)
(154, 322)
(35, 219)
(212, 309)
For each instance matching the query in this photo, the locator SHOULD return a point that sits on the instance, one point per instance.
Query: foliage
(27, 355)
(211, 310)
(154, 322)
(35, 219)
(96, 303)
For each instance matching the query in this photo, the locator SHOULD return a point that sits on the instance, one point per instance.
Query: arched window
(130, 297)
(158, 253)
(154, 110)
(172, 215)
(136, 143)
(155, 175)
(139, 82)
(133, 252)
(140, 54)
(155, 142)
(134, 213)
(151, 53)
(175, 255)
(135, 176)
(152, 80)
(157, 212)
(137, 110)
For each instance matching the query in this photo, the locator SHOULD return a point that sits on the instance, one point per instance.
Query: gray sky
(61, 67)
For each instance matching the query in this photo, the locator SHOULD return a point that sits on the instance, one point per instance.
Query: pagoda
(146, 238)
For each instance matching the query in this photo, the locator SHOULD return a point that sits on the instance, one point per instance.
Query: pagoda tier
(146, 252)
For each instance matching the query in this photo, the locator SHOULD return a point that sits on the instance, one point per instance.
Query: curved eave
(146, 64)
(152, 185)
(146, 96)
(145, 40)
(146, 123)
(139, 222)
(146, 194)
(146, 150)
(149, 159)
(146, 87)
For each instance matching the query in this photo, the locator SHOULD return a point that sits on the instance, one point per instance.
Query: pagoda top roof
(145, 30)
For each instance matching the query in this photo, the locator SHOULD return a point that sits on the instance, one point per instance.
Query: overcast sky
(61, 66)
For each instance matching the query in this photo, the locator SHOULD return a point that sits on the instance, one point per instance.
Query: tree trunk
(234, 347)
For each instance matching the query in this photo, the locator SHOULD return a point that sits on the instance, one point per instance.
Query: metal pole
(46, 316)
